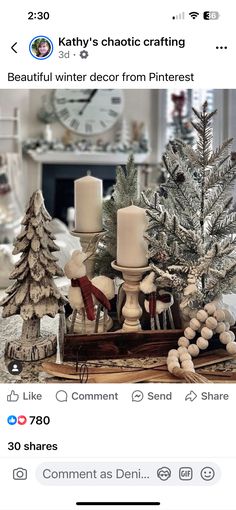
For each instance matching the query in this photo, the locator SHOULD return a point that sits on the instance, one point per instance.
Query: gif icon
(211, 15)
(185, 473)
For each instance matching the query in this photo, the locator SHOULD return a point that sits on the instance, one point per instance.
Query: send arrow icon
(13, 47)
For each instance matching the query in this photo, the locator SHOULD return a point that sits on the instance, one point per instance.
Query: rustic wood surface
(85, 373)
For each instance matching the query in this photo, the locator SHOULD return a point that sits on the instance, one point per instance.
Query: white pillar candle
(88, 204)
(131, 245)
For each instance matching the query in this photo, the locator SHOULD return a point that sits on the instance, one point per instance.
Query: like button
(12, 397)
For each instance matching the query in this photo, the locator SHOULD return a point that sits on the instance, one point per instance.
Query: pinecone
(163, 192)
(180, 177)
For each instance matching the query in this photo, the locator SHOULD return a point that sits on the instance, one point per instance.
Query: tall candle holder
(131, 310)
(85, 240)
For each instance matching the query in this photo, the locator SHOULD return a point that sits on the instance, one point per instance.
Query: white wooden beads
(195, 324)
(183, 342)
(189, 333)
(225, 338)
(220, 327)
(188, 365)
(231, 347)
(212, 319)
(202, 315)
(210, 308)
(206, 333)
(211, 323)
(193, 349)
(173, 352)
(182, 349)
(172, 365)
(219, 315)
(185, 356)
(202, 343)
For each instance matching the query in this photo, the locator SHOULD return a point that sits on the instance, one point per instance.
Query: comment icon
(61, 396)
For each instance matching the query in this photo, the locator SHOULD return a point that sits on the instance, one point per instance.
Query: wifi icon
(194, 14)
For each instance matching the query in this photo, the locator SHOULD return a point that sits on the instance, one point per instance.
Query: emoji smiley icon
(164, 473)
(207, 473)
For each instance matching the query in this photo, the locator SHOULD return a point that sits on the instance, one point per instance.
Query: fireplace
(58, 184)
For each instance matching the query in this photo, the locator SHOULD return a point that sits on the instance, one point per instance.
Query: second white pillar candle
(88, 204)
(132, 248)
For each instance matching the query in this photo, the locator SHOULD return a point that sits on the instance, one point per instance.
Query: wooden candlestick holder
(85, 240)
(131, 310)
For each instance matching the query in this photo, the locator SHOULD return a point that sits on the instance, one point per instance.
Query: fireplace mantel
(35, 162)
(88, 158)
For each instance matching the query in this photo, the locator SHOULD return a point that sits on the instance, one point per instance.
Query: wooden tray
(119, 344)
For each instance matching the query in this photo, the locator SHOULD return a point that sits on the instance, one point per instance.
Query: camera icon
(20, 474)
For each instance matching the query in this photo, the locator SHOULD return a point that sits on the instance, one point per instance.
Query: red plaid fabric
(87, 291)
(153, 297)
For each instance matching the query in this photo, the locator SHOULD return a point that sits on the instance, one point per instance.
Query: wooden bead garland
(231, 347)
(189, 333)
(182, 349)
(219, 315)
(210, 308)
(202, 343)
(211, 323)
(195, 324)
(206, 333)
(206, 321)
(202, 315)
(225, 338)
(183, 342)
(193, 350)
(220, 327)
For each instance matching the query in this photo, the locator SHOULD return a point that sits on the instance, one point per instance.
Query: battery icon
(211, 15)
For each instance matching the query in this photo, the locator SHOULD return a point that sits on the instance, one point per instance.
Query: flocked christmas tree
(122, 137)
(192, 227)
(34, 293)
(126, 192)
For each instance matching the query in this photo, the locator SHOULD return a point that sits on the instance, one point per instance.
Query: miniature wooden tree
(34, 293)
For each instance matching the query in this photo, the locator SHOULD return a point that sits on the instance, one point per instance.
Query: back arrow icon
(13, 47)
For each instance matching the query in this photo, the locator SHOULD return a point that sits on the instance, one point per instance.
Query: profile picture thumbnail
(41, 47)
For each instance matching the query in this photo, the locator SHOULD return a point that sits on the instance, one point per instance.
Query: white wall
(137, 107)
(10, 99)
(140, 105)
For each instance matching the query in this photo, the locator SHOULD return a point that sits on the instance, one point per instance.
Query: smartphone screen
(117, 255)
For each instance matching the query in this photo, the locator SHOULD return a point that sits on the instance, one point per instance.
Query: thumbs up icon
(12, 397)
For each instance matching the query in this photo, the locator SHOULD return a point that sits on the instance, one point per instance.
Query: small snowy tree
(122, 137)
(34, 293)
(126, 192)
(192, 220)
